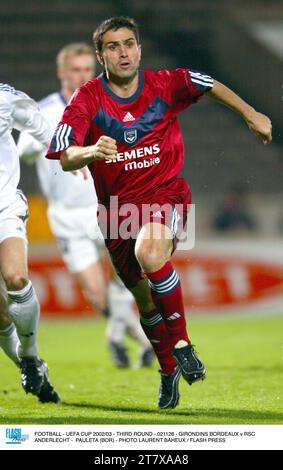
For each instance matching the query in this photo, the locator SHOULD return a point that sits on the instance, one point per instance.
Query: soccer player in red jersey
(123, 125)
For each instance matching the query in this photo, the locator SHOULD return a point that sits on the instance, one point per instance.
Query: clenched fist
(104, 148)
(261, 126)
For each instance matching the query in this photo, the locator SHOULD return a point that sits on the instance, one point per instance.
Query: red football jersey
(145, 127)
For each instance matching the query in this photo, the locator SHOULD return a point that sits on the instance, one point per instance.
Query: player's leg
(82, 258)
(156, 331)
(154, 326)
(122, 253)
(93, 284)
(114, 302)
(8, 336)
(135, 331)
(120, 308)
(80, 242)
(153, 250)
(24, 310)
(75, 230)
(23, 305)
(123, 320)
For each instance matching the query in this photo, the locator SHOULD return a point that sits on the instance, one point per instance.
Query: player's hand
(105, 148)
(261, 126)
(83, 171)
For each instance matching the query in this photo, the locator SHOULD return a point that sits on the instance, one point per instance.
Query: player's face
(121, 54)
(76, 71)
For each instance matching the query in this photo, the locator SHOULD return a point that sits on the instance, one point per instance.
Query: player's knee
(96, 297)
(15, 281)
(149, 257)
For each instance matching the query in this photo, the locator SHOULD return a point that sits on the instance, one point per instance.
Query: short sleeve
(188, 86)
(21, 112)
(74, 125)
(8, 97)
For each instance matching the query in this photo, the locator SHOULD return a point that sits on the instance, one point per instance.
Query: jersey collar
(130, 99)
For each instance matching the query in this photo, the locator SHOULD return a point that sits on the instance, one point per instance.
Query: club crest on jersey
(130, 136)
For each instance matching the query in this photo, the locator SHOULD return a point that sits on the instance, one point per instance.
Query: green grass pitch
(244, 384)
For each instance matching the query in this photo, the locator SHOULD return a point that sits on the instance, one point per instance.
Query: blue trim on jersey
(63, 138)
(140, 128)
(132, 98)
(53, 143)
(9, 89)
(201, 81)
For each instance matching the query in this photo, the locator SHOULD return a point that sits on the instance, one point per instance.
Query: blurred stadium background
(237, 264)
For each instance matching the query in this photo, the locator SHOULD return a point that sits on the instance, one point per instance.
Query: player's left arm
(258, 123)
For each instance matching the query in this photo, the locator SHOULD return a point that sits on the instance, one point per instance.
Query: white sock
(24, 309)
(118, 300)
(135, 330)
(9, 342)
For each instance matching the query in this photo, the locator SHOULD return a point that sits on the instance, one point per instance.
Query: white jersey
(17, 111)
(59, 187)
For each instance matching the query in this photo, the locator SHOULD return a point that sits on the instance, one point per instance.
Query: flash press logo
(15, 436)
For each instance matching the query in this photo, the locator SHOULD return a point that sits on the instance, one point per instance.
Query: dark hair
(114, 23)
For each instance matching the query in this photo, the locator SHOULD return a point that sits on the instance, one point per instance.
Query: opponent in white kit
(19, 306)
(72, 207)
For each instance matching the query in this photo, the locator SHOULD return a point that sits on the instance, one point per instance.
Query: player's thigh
(82, 258)
(154, 245)
(92, 280)
(13, 258)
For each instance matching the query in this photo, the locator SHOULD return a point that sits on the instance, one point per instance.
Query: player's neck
(124, 88)
(67, 94)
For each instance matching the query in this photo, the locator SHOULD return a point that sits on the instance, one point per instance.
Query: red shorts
(120, 226)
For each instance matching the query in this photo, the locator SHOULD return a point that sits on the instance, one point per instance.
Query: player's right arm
(75, 157)
(68, 141)
(257, 122)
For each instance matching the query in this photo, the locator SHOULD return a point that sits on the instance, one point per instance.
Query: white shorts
(77, 233)
(13, 218)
